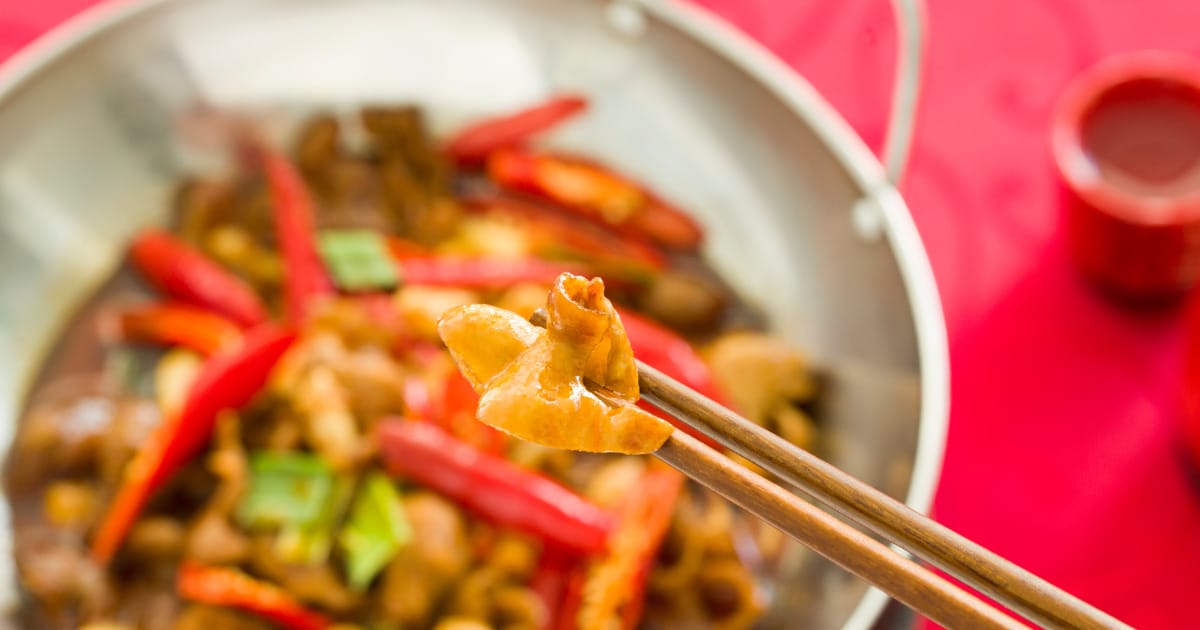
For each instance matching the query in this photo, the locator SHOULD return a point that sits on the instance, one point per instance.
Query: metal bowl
(801, 216)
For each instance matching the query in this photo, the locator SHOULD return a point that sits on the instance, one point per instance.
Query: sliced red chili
(305, 278)
(187, 275)
(492, 487)
(228, 380)
(596, 192)
(471, 145)
(178, 325)
(226, 587)
(560, 232)
(481, 272)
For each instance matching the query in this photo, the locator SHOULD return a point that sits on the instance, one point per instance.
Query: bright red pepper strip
(459, 402)
(226, 587)
(472, 145)
(595, 192)
(659, 347)
(615, 585)
(189, 276)
(588, 238)
(550, 580)
(492, 487)
(227, 381)
(482, 273)
(178, 325)
(648, 512)
(305, 278)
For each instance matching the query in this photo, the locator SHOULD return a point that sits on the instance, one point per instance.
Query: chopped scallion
(376, 530)
(286, 490)
(358, 260)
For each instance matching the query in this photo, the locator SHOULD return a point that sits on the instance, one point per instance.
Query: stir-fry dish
(274, 431)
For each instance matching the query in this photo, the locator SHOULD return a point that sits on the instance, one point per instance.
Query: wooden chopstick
(1014, 587)
(910, 583)
(898, 576)
(1010, 585)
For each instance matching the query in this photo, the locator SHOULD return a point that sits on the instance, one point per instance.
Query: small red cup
(1126, 141)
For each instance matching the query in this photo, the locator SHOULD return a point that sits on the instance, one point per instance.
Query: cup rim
(1078, 100)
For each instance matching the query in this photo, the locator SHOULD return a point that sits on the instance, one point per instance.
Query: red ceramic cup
(1126, 141)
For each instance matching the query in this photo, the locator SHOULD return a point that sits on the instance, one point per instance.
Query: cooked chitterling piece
(531, 380)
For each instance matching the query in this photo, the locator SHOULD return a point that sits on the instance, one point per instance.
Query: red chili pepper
(227, 587)
(189, 276)
(418, 402)
(178, 325)
(493, 487)
(567, 615)
(459, 402)
(648, 512)
(305, 278)
(659, 347)
(616, 587)
(550, 581)
(228, 380)
(472, 145)
(596, 192)
(403, 249)
(662, 348)
(592, 240)
(481, 272)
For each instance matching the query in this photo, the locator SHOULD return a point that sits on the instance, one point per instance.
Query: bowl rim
(880, 199)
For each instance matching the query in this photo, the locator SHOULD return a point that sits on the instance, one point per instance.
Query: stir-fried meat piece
(358, 324)
(232, 246)
(318, 145)
(132, 426)
(374, 384)
(307, 380)
(420, 307)
(78, 425)
(201, 617)
(200, 205)
(684, 301)
(158, 538)
(317, 583)
(486, 594)
(532, 380)
(329, 426)
(461, 623)
(760, 373)
(70, 504)
(727, 595)
(517, 607)
(414, 176)
(415, 580)
(55, 568)
(514, 556)
(212, 538)
(523, 299)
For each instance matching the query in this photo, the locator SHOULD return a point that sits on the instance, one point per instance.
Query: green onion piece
(358, 260)
(311, 543)
(286, 489)
(377, 529)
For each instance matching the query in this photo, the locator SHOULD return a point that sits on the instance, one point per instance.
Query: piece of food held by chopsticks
(531, 380)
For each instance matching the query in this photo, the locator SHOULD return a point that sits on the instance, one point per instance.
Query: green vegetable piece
(358, 260)
(286, 490)
(310, 544)
(377, 529)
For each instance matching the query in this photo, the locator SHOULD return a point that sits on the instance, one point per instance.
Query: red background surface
(1063, 452)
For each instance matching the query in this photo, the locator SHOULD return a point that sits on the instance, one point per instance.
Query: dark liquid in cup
(1144, 138)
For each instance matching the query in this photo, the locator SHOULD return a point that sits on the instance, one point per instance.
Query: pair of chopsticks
(899, 576)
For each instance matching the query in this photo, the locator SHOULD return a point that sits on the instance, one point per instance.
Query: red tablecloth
(1063, 452)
